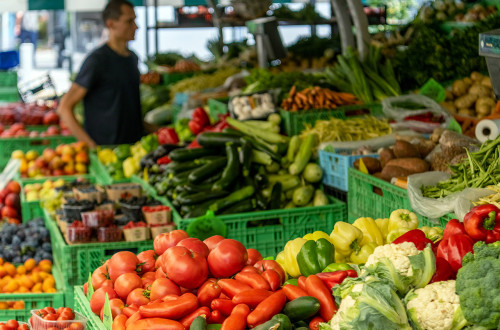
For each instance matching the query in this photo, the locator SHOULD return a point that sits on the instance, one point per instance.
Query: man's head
(119, 18)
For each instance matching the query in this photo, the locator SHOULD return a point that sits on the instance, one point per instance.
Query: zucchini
(193, 188)
(293, 148)
(233, 198)
(199, 323)
(178, 167)
(273, 168)
(232, 131)
(261, 201)
(246, 205)
(245, 157)
(206, 170)
(232, 169)
(301, 308)
(302, 325)
(250, 130)
(285, 323)
(185, 154)
(275, 200)
(216, 140)
(199, 197)
(303, 195)
(261, 157)
(288, 181)
(304, 154)
(179, 178)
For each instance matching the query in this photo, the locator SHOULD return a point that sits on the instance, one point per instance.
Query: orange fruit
(30, 264)
(23, 289)
(11, 286)
(50, 290)
(45, 265)
(43, 275)
(37, 288)
(18, 305)
(2, 271)
(1, 261)
(21, 270)
(4, 305)
(26, 282)
(36, 278)
(10, 268)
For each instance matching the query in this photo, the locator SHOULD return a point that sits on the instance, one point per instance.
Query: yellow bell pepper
(317, 235)
(345, 236)
(292, 248)
(129, 167)
(396, 234)
(383, 225)
(402, 219)
(361, 254)
(107, 156)
(371, 233)
(280, 258)
(432, 233)
(340, 258)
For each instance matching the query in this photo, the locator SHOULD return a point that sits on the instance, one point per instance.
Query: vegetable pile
(316, 98)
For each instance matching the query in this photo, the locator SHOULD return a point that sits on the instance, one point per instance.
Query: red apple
(50, 118)
(57, 172)
(48, 155)
(3, 193)
(33, 134)
(9, 212)
(17, 127)
(12, 200)
(53, 130)
(13, 186)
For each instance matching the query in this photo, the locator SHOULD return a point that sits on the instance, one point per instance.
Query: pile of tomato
(51, 319)
(184, 278)
(13, 325)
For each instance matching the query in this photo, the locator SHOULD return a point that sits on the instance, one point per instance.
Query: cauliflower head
(435, 306)
(403, 265)
(398, 254)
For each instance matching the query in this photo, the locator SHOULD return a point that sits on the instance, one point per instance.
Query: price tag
(90, 288)
(107, 317)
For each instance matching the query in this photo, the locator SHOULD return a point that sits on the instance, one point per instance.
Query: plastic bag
(459, 203)
(393, 107)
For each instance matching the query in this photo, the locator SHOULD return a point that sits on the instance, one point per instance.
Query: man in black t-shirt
(108, 84)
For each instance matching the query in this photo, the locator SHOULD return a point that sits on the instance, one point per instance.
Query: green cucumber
(206, 170)
(234, 198)
(285, 323)
(232, 169)
(301, 308)
(184, 154)
(199, 323)
(287, 180)
(232, 131)
(180, 178)
(302, 325)
(275, 199)
(245, 157)
(199, 197)
(304, 154)
(216, 140)
(269, 325)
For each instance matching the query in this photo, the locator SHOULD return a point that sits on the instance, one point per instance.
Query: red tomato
(195, 245)
(121, 263)
(49, 310)
(166, 240)
(98, 298)
(85, 288)
(60, 310)
(271, 264)
(12, 324)
(212, 241)
(68, 312)
(76, 326)
(51, 317)
(253, 256)
(227, 258)
(162, 287)
(160, 273)
(108, 284)
(23, 327)
(125, 283)
(187, 269)
(148, 279)
(116, 306)
(99, 276)
(148, 259)
(137, 297)
(3, 327)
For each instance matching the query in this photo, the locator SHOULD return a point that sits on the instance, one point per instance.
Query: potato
(450, 106)
(425, 148)
(479, 90)
(476, 76)
(459, 88)
(466, 101)
(385, 155)
(449, 95)
(466, 112)
(484, 105)
(486, 82)
(371, 164)
(468, 81)
(404, 149)
(390, 172)
(412, 164)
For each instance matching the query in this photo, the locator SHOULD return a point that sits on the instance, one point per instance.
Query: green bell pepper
(292, 281)
(122, 151)
(314, 256)
(337, 266)
(150, 142)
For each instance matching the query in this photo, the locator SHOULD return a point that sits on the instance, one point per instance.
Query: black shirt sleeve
(88, 72)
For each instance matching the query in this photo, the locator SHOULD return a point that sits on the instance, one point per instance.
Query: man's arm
(66, 111)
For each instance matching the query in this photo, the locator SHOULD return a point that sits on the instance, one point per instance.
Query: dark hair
(113, 9)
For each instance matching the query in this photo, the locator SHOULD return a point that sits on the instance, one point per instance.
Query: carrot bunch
(316, 98)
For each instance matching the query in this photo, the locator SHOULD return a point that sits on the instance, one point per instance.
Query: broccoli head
(478, 285)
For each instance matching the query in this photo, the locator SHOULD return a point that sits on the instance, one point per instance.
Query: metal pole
(313, 26)
(344, 23)
(217, 23)
(146, 23)
(156, 27)
(361, 23)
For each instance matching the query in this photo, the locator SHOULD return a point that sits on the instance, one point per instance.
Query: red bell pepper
(331, 279)
(201, 117)
(482, 223)
(167, 135)
(195, 127)
(194, 145)
(444, 272)
(163, 160)
(454, 248)
(453, 227)
(415, 236)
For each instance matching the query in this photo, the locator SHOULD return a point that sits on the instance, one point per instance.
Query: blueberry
(47, 247)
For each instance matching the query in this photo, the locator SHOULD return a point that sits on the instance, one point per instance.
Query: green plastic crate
(217, 107)
(9, 94)
(33, 300)
(372, 197)
(98, 170)
(77, 261)
(82, 305)
(39, 144)
(8, 79)
(294, 123)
